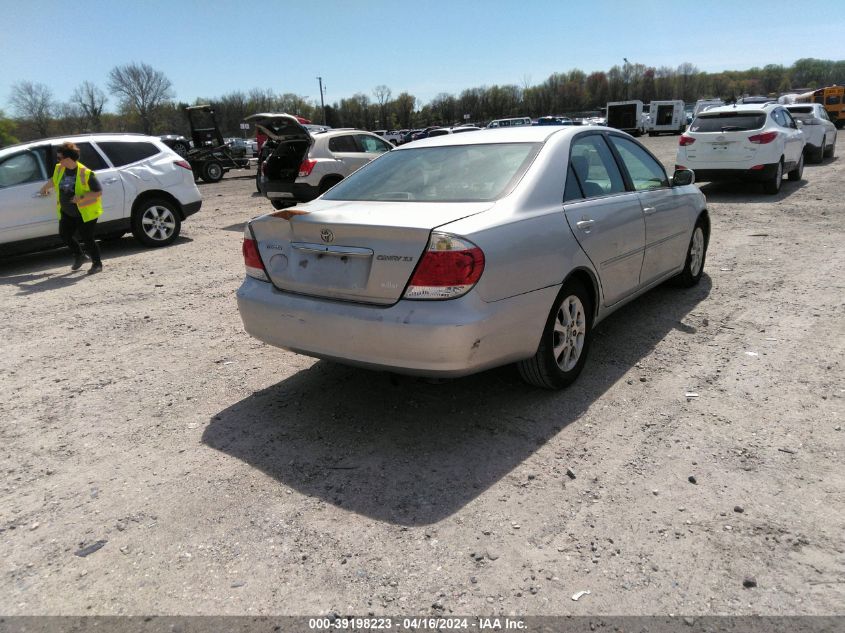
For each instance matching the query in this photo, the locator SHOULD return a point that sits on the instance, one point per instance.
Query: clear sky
(208, 48)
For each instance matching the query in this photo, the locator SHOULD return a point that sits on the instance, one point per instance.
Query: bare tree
(33, 101)
(90, 100)
(382, 94)
(141, 89)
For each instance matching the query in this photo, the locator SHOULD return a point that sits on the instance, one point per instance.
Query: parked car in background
(296, 166)
(510, 122)
(554, 120)
(452, 255)
(148, 189)
(819, 132)
(452, 130)
(177, 143)
(749, 142)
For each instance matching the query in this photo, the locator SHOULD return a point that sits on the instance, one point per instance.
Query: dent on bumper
(430, 338)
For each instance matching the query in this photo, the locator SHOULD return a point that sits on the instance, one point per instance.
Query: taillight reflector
(306, 167)
(685, 140)
(252, 260)
(762, 139)
(449, 268)
(183, 164)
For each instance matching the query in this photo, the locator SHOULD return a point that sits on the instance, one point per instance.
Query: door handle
(110, 181)
(649, 210)
(585, 225)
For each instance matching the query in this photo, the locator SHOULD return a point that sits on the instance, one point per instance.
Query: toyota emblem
(326, 235)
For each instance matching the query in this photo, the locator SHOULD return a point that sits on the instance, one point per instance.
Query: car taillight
(306, 167)
(685, 140)
(252, 260)
(183, 164)
(762, 139)
(449, 268)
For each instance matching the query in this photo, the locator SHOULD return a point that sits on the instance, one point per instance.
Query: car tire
(279, 204)
(696, 254)
(181, 148)
(155, 222)
(795, 174)
(328, 182)
(817, 155)
(772, 185)
(212, 171)
(565, 341)
(828, 151)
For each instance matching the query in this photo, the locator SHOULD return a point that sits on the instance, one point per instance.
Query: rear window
(455, 173)
(800, 109)
(123, 153)
(728, 122)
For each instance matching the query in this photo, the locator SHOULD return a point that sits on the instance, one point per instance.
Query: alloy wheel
(570, 329)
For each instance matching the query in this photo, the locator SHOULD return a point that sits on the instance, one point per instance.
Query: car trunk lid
(290, 140)
(352, 251)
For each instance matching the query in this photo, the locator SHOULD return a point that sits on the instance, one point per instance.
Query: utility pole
(627, 79)
(322, 103)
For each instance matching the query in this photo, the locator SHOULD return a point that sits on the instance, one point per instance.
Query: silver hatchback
(456, 254)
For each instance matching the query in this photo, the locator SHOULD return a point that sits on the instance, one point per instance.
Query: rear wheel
(817, 155)
(328, 183)
(795, 174)
(696, 254)
(772, 185)
(155, 222)
(828, 151)
(212, 171)
(181, 148)
(565, 340)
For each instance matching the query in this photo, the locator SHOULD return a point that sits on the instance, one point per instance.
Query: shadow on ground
(411, 452)
(739, 192)
(50, 269)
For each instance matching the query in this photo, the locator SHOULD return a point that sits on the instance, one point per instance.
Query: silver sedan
(456, 254)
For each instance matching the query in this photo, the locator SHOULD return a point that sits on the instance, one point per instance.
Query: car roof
(518, 134)
(93, 136)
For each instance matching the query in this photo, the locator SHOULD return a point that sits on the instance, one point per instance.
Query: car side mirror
(800, 124)
(683, 177)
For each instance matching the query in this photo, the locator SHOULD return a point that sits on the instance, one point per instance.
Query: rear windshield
(801, 112)
(728, 122)
(454, 173)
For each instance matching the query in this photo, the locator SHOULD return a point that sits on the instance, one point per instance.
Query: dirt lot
(223, 476)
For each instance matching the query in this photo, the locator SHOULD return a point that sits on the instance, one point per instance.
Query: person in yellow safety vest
(78, 205)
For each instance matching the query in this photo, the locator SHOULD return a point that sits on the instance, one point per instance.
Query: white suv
(147, 189)
(297, 165)
(749, 142)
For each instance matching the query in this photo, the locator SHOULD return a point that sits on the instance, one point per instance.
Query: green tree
(7, 128)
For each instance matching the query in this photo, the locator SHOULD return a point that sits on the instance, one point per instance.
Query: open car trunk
(288, 142)
(353, 251)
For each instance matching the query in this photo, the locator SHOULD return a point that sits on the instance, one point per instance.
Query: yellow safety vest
(90, 211)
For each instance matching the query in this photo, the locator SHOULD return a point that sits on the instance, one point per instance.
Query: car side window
(372, 145)
(572, 191)
(646, 173)
(19, 169)
(122, 153)
(344, 143)
(90, 157)
(790, 122)
(595, 166)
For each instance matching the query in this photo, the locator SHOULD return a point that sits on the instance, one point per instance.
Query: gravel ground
(157, 460)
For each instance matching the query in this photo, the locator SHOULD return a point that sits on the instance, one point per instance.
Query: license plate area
(330, 267)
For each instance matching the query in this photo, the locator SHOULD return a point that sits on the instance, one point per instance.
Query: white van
(513, 122)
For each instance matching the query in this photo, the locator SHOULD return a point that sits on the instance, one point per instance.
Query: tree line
(144, 98)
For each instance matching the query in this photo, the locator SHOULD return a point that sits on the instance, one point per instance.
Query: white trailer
(626, 116)
(666, 117)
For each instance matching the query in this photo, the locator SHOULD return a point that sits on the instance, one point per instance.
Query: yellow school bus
(833, 100)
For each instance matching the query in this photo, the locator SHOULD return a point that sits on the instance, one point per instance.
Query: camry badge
(326, 235)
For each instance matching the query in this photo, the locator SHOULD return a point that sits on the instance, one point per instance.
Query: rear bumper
(189, 208)
(429, 338)
(712, 175)
(293, 191)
